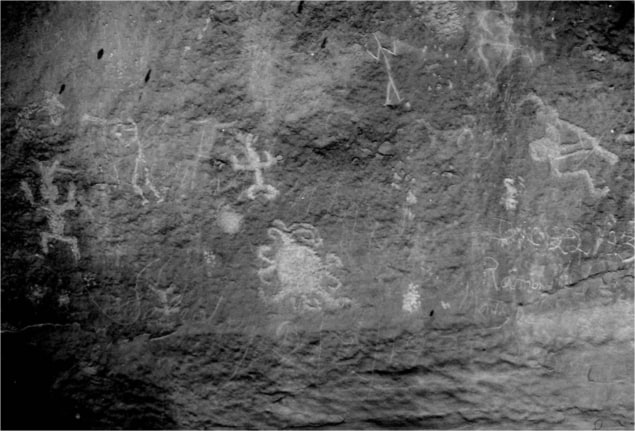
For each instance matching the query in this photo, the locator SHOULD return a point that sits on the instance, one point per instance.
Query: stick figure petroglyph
(54, 211)
(392, 94)
(254, 164)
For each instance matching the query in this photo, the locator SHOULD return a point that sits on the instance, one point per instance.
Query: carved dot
(62, 88)
(100, 54)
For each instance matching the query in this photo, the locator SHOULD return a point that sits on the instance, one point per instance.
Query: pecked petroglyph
(565, 143)
(297, 272)
(253, 163)
(54, 210)
(411, 299)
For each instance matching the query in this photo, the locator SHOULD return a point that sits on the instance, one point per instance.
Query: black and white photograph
(317, 215)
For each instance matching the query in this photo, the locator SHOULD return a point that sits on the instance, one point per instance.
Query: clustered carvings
(295, 270)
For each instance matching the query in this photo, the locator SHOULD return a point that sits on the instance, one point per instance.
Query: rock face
(317, 215)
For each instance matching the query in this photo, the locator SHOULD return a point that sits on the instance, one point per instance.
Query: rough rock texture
(317, 215)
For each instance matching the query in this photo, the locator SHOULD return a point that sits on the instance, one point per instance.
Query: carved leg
(153, 189)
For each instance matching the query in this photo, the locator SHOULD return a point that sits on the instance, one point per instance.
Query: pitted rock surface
(339, 215)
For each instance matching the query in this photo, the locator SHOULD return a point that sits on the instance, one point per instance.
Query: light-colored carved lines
(564, 143)
(296, 270)
(54, 211)
(254, 164)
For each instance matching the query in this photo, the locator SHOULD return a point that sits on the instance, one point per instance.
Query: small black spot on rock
(147, 78)
(431, 313)
(100, 54)
(62, 88)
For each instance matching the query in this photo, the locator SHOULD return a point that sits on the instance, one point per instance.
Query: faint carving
(140, 163)
(512, 282)
(494, 308)
(169, 300)
(510, 198)
(54, 211)
(625, 138)
(498, 45)
(567, 240)
(446, 19)
(112, 306)
(408, 215)
(127, 132)
(469, 300)
(210, 261)
(482, 308)
(53, 107)
(296, 269)
(628, 241)
(256, 165)
(490, 273)
(206, 143)
(199, 36)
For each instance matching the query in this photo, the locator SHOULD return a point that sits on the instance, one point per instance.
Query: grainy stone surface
(203, 225)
